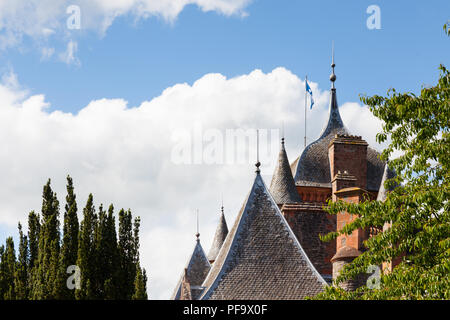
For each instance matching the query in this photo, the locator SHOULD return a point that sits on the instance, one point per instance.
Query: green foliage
(7, 270)
(86, 251)
(140, 287)
(45, 272)
(415, 215)
(69, 248)
(21, 275)
(128, 253)
(109, 263)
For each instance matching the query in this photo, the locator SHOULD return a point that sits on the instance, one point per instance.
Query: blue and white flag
(308, 89)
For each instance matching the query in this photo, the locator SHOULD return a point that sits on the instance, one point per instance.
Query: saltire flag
(308, 89)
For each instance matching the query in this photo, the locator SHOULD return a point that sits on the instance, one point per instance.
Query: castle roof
(219, 237)
(194, 274)
(387, 174)
(261, 258)
(312, 168)
(346, 252)
(282, 187)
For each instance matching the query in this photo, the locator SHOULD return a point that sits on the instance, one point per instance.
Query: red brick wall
(351, 158)
(307, 225)
(314, 194)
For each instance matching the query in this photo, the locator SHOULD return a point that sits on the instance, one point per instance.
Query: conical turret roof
(194, 273)
(312, 168)
(282, 186)
(219, 238)
(261, 258)
(387, 174)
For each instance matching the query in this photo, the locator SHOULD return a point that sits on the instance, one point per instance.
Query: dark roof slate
(387, 174)
(195, 273)
(219, 238)
(282, 187)
(261, 258)
(313, 166)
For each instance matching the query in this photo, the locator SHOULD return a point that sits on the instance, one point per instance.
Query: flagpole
(306, 80)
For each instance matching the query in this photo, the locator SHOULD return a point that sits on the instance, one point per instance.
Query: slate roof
(313, 166)
(195, 273)
(387, 174)
(282, 187)
(219, 238)
(346, 252)
(261, 258)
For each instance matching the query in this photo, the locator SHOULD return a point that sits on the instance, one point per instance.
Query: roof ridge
(232, 249)
(197, 253)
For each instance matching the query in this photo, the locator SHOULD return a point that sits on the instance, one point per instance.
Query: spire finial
(333, 75)
(258, 164)
(282, 133)
(198, 233)
(222, 204)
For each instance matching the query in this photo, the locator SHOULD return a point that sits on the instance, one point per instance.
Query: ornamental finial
(333, 75)
(258, 164)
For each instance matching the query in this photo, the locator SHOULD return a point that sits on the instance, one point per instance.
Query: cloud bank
(43, 19)
(122, 154)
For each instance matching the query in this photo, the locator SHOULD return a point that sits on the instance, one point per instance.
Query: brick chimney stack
(349, 154)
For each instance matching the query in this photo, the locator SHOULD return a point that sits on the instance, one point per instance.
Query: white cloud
(41, 19)
(122, 155)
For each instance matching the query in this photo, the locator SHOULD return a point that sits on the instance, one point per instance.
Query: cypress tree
(101, 264)
(49, 242)
(34, 228)
(127, 255)
(69, 248)
(21, 276)
(8, 266)
(140, 284)
(86, 252)
(111, 256)
(2, 272)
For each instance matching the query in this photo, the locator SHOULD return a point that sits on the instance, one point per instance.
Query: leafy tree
(69, 248)
(107, 253)
(21, 275)
(127, 252)
(45, 273)
(416, 213)
(86, 251)
(140, 285)
(109, 263)
(3, 283)
(34, 228)
(7, 270)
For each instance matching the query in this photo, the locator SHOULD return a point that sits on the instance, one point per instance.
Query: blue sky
(137, 60)
(123, 155)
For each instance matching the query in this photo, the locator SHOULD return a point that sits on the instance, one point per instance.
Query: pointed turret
(312, 168)
(219, 238)
(387, 174)
(261, 258)
(282, 186)
(193, 275)
(335, 122)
